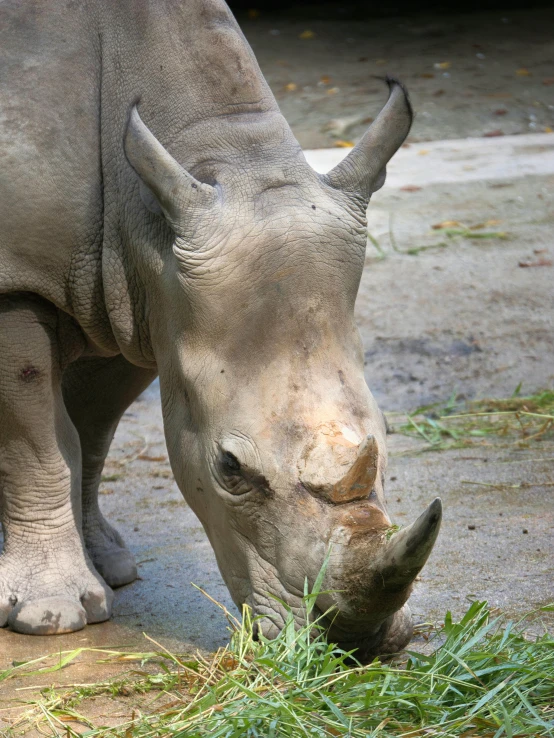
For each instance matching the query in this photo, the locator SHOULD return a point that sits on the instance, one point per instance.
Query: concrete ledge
(458, 160)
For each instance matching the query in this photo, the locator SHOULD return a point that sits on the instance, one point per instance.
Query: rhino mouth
(377, 640)
(368, 614)
(381, 641)
(366, 640)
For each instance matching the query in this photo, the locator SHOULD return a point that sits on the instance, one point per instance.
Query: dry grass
(519, 421)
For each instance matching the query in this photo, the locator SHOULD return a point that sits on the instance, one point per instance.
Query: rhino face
(274, 438)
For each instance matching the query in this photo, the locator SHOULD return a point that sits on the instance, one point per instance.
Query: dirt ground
(468, 75)
(438, 316)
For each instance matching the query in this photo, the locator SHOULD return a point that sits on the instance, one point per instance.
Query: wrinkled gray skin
(158, 216)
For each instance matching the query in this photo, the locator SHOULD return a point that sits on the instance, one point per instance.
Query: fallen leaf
(538, 263)
(427, 75)
(147, 457)
(445, 224)
(363, 59)
(307, 34)
(442, 65)
(163, 708)
(340, 144)
(333, 90)
(549, 129)
(500, 111)
(540, 251)
(325, 79)
(410, 188)
(423, 152)
(105, 491)
(380, 62)
(523, 72)
(291, 87)
(499, 94)
(493, 134)
(486, 224)
(547, 81)
(228, 663)
(438, 93)
(253, 13)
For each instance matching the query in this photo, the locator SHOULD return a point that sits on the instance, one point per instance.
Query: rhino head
(274, 438)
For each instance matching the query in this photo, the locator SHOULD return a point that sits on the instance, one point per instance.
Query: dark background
(353, 10)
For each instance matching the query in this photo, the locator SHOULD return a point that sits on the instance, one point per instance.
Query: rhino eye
(230, 463)
(238, 478)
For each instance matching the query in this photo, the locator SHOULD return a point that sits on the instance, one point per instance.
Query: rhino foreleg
(97, 392)
(47, 581)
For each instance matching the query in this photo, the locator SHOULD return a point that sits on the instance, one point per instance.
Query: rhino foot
(45, 592)
(110, 556)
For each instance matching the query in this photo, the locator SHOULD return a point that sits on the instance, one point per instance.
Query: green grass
(377, 246)
(519, 421)
(453, 235)
(486, 678)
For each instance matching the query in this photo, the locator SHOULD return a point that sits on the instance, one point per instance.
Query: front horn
(405, 554)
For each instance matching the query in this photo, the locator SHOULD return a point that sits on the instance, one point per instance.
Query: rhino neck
(200, 91)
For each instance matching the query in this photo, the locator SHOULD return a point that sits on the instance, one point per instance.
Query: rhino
(158, 217)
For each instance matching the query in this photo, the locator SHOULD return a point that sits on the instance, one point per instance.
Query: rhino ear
(165, 187)
(364, 169)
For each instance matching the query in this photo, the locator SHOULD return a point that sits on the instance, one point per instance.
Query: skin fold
(157, 216)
